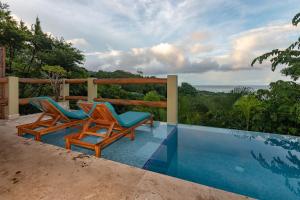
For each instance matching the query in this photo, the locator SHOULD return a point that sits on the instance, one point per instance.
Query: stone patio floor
(35, 170)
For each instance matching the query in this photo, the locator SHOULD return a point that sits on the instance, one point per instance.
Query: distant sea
(227, 88)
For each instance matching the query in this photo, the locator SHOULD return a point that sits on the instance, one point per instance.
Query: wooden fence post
(172, 99)
(65, 91)
(92, 89)
(12, 95)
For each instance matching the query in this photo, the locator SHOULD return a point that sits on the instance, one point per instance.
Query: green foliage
(29, 49)
(159, 113)
(54, 71)
(289, 57)
(281, 107)
(209, 108)
(296, 19)
(275, 110)
(12, 34)
(187, 89)
(152, 96)
(247, 105)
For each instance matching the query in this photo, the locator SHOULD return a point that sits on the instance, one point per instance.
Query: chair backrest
(100, 111)
(68, 114)
(47, 107)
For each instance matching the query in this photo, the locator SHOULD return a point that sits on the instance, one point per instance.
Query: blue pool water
(259, 165)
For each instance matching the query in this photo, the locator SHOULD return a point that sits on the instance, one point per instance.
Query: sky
(204, 42)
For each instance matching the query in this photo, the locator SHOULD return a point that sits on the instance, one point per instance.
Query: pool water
(259, 165)
(135, 153)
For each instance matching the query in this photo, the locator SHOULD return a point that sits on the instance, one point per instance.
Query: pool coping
(82, 176)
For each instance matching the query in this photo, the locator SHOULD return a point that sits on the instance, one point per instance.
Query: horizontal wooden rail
(24, 101)
(126, 102)
(46, 81)
(34, 81)
(131, 81)
(96, 81)
(75, 81)
(3, 80)
(76, 98)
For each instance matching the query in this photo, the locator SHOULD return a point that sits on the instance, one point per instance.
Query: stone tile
(159, 186)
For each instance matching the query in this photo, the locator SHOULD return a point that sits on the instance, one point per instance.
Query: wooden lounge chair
(53, 118)
(112, 126)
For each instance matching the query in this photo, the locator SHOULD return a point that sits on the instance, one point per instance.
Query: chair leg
(68, 144)
(37, 137)
(97, 151)
(132, 135)
(20, 133)
(151, 122)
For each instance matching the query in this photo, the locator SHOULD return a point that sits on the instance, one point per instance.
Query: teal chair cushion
(77, 114)
(127, 119)
(131, 118)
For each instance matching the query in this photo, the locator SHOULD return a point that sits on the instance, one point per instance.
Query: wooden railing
(119, 81)
(127, 81)
(34, 81)
(83, 98)
(25, 101)
(124, 81)
(92, 83)
(3, 80)
(75, 81)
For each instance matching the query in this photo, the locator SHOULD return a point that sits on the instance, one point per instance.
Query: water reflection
(278, 166)
(288, 143)
(284, 141)
(288, 166)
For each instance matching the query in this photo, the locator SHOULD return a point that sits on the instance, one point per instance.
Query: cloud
(180, 57)
(18, 19)
(78, 42)
(177, 58)
(199, 48)
(159, 59)
(158, 37)
(247, 45)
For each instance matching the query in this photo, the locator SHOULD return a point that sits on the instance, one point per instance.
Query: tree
(281, 105)
(289, 57)
(55, 74)
(63, 54)
(246, 105)
(159, 113)
(187, 89)
(12, 34)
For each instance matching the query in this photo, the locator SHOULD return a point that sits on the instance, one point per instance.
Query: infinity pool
(259, 165)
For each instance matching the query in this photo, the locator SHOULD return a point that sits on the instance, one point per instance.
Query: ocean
(227, 88)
